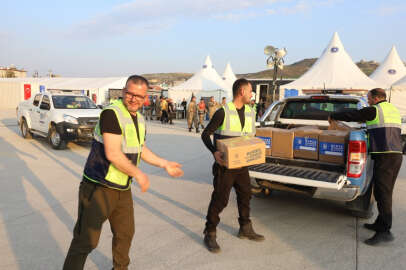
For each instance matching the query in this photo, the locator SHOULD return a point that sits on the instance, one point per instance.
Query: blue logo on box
(332, 149)
(267, 140)
(304, 143)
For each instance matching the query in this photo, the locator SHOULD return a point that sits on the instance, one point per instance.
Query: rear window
(316, 109)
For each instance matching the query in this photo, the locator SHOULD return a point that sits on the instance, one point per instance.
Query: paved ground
(38, 208)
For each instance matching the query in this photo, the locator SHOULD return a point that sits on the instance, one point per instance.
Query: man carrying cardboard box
(235, 119)
(383, 124)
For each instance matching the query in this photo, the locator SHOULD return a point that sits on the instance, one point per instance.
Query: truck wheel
(25, 131)
(362, 206)
(55, 139)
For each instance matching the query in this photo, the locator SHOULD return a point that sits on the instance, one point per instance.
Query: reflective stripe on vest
(384, 130)
(232, 125)
(129, 144)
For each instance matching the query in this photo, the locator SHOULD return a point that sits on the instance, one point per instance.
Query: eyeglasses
(130, 96)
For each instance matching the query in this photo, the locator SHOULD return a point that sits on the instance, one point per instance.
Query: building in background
(12, 72)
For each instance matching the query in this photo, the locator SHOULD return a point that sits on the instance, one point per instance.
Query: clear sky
(92, 38)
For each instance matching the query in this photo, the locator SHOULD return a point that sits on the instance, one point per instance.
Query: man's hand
(218, 157)
(173, 169)
(330, 119)
(143, 181)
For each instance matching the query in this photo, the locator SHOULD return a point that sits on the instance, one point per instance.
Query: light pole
(275, 61)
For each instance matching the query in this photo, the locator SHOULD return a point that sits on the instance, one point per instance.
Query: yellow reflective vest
(98, 169)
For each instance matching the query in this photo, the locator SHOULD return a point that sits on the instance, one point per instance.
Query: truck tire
(25, 131)
(55, 139)
(361, 207)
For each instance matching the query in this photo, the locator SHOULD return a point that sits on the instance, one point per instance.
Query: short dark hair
(378, 93)
(137, 79)
(238, 84)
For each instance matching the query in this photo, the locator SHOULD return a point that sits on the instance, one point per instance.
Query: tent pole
(390, 93)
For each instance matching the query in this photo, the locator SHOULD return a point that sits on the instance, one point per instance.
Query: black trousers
(164, 116)
(224, 180)
(386, 169)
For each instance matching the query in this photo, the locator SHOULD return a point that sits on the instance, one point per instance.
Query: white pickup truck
(60, 117)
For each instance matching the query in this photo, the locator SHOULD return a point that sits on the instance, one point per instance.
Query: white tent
(204, 83)
(397, 95)
(229, 76)
(390, 70)
(333, 70)
(12, 89)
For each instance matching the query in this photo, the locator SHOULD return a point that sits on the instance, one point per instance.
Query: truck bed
(300, 172)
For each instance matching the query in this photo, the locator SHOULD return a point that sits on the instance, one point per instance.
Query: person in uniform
(383, 123)
(105, 190)
(192, 115)
(158, 108)
(235, 119)
(201, 110)
(213, 106)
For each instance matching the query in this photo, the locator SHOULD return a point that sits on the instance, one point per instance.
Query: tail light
(357, 153)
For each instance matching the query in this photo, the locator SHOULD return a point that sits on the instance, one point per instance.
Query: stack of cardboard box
(307, 142)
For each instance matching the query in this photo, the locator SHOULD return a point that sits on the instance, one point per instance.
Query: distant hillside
(297, 69)
(293, 71)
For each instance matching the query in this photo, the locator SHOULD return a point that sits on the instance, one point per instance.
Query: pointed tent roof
(205, 79)
(333, 70)
(229, 76)
(390, 70)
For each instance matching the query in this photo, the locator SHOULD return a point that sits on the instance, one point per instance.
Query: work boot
(210, 242)
(379, 237)
(246, 231)
(371, 226)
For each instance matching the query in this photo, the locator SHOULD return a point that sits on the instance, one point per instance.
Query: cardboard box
(338, 125)
(306, 144)
(282, 143)
(333, 146)
(265, 134)
(242, 151)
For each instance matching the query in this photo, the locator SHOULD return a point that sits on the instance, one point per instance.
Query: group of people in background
(196, 113)
(164, 109)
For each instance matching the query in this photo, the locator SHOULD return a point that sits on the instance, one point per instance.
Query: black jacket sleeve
(362, 115)
(215, 122)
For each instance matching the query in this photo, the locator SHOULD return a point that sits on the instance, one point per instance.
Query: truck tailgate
(289, 174)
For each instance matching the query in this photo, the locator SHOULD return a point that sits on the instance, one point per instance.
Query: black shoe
(372, 226)
(246, 231)
(202, 127)
(197, 130)
(190, 130)
(380, 237)
(210, 242)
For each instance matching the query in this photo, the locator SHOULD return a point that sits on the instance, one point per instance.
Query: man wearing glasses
(105, 190)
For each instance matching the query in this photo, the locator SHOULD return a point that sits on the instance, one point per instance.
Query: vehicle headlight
(70, 119)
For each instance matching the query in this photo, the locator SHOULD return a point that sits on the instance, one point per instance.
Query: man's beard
(130, 107)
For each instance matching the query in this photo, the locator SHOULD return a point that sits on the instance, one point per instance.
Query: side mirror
(45, 106)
